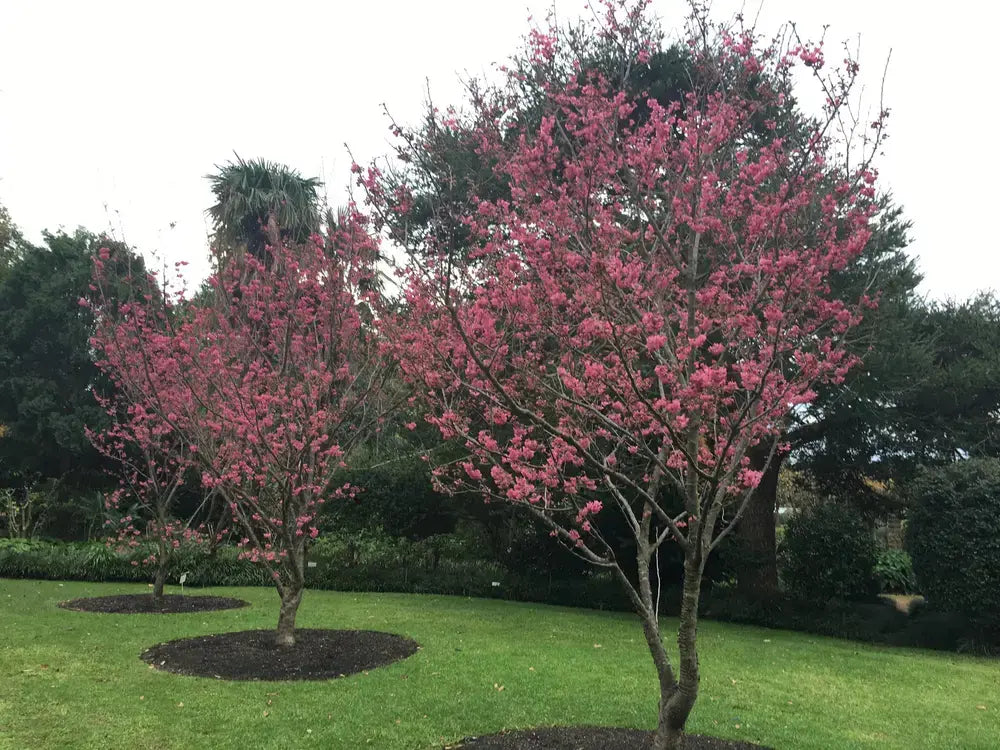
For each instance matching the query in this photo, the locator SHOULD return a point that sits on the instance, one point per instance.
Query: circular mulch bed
(591, 738)
(253, 654)
(132, 604)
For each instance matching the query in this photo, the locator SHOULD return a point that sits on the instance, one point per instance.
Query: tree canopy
(47, 371)
(257, 198)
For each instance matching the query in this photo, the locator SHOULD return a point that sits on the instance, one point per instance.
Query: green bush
(828, 553)
(864, 621)
(894, 572)
(953, 536)
(396, 497)
(95, 561)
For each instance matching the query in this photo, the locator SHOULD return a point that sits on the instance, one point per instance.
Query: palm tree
(259, 203)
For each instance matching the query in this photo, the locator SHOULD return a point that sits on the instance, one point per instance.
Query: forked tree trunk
(679, 692)
(677, 697)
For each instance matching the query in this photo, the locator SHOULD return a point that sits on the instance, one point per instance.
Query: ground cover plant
(75, 680)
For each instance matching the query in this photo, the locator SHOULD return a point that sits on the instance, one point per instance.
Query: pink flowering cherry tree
(152, 468)
(648, 305)
(271, 380)
(151, 465)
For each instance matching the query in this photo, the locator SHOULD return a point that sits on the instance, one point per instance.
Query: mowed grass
(75, 680)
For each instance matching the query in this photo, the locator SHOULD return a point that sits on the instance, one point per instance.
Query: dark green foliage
(249, 193)
(47, 372)
(859, 430)
(953, 536)
(894, 572)
(396, 497)
(95, 561)
(873, 622)
(828, 553)
(864, 621)
(11, 242)
(955, 408)
(447, 565)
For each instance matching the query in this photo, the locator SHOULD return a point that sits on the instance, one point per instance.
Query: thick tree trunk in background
(291, 598)
(757, 576)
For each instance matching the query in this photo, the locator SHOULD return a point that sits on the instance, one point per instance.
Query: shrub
(864, 621)
(894, 572)
(953, 536)
(828, 553)
(396, 497)
(94, 561)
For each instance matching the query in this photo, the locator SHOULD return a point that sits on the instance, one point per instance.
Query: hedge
(409, 567)
(953, 536)
(828, 552)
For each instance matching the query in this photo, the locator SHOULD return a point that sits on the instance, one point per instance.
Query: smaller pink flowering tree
(645, 309)
(151, 477)
(150, 465)
(269, 381)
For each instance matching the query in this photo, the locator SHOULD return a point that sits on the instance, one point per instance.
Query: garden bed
(142, 604)
(254, 655)
(590, 738)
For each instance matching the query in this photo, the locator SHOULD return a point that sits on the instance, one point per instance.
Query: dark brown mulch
(590, 738)
(253, 654)
(132, 604)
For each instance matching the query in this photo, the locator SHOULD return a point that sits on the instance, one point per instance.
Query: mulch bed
(590, 738)
(132, 604)
(253, 654)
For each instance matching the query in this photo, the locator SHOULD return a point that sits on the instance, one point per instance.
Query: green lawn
(74, 680)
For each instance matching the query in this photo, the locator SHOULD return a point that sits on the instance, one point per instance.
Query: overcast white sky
(111, 113)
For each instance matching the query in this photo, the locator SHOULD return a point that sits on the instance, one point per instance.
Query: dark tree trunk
(162, 563)
(291, 598)
(290, 590)
(159, 581)
(757, 576)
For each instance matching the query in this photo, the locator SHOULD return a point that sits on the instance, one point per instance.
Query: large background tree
(47, 371)
(839, 439)
(445, 183)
